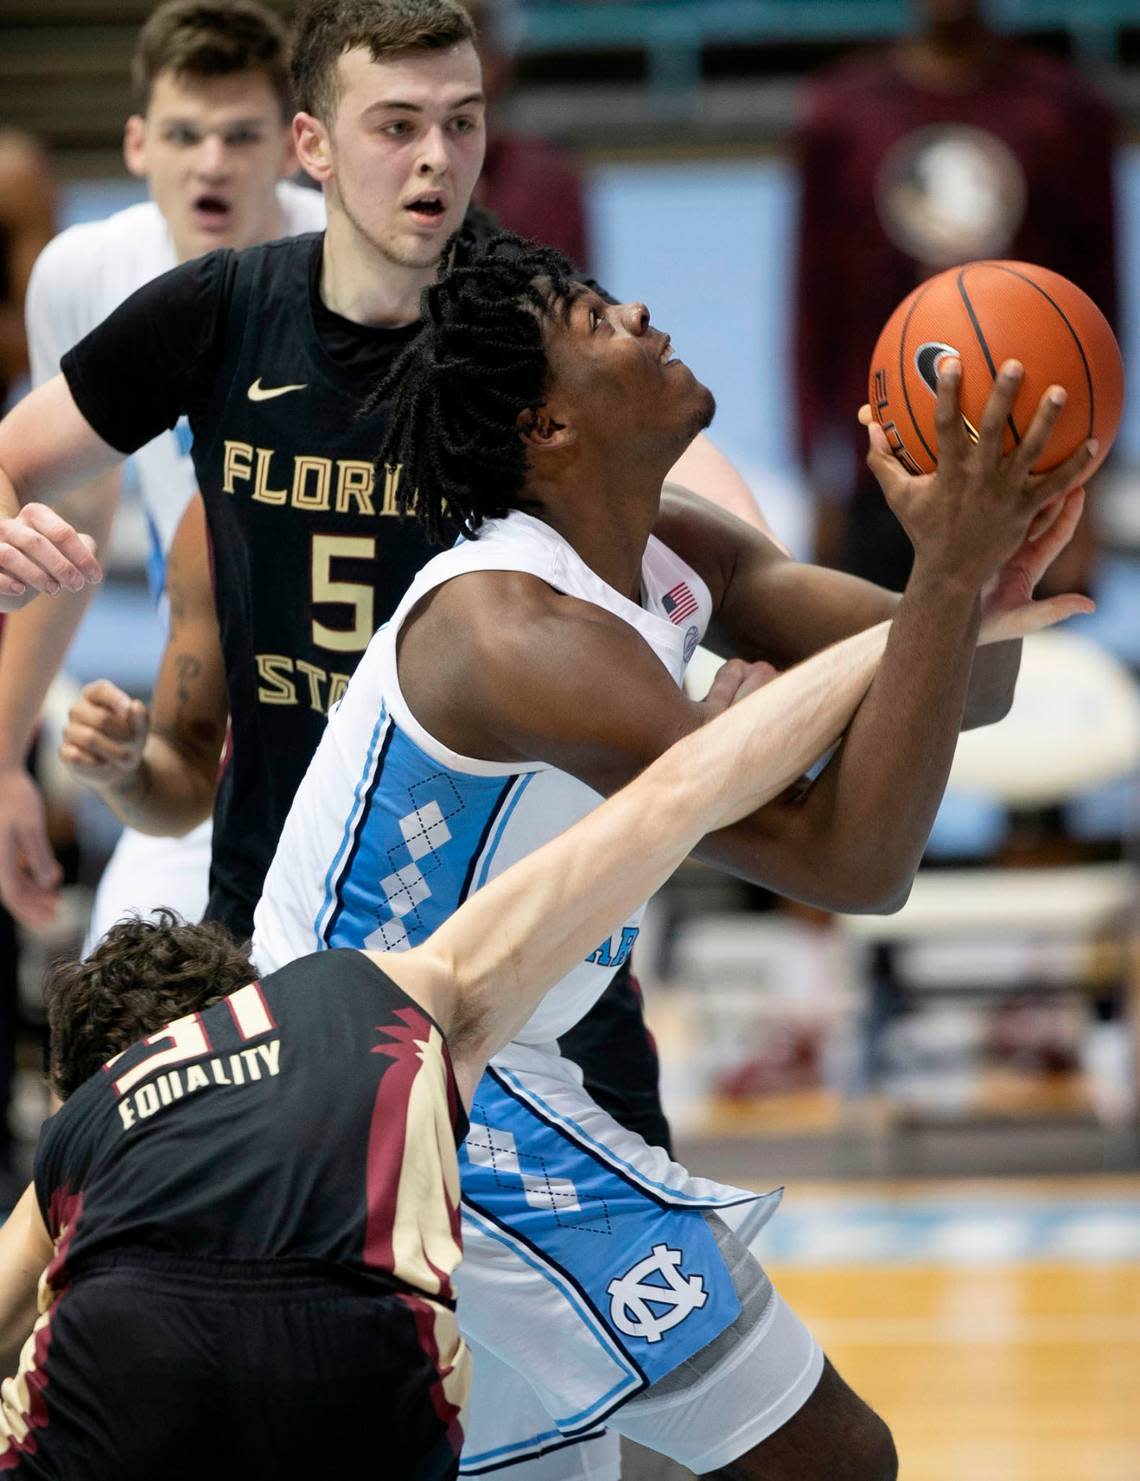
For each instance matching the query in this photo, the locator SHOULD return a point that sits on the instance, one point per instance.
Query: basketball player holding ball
(537, 666)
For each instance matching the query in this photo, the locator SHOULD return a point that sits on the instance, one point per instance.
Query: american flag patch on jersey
(679, 603)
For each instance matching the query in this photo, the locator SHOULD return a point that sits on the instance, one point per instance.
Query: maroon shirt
(1018, 166)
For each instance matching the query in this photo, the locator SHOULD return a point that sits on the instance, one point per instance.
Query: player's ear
(543, 432)
(134, 145)
(311, 142)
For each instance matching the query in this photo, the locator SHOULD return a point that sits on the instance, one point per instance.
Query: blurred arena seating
(586, 66)
(1047, 919)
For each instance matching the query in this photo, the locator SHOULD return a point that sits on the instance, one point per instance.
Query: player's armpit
(765, 604)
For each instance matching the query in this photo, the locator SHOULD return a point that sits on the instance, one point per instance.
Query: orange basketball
(986, 313)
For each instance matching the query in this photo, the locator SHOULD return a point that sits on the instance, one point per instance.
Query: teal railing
(673, 32)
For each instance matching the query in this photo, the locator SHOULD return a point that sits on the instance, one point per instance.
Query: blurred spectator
(27, 221)
(954, 144)
(532, 187)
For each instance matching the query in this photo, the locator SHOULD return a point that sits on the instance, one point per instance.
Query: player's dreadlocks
(459, 387)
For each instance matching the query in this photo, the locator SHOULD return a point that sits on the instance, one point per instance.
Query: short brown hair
(326, 29)
(143, 975)
(212, 38)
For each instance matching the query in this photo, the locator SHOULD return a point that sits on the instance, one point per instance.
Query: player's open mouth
(426, 207)
(668, 355)
(212, 210)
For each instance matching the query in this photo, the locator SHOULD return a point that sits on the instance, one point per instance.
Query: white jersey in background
(80, 277)
(389, 832)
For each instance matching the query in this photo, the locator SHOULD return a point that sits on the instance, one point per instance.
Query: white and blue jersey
(591, 1269)
(391, 830)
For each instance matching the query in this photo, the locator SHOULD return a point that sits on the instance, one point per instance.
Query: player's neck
(609, 533)
(364, 287)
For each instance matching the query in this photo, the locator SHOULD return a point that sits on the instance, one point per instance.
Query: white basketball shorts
(144, 873)
(611, 1290)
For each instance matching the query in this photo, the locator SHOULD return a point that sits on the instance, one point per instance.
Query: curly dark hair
(142, 975)
(458, 389)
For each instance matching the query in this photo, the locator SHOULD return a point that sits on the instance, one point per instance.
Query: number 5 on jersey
(356, 595)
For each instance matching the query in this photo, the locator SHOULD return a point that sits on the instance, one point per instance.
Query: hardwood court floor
(1009, 1372)
(991, 1370)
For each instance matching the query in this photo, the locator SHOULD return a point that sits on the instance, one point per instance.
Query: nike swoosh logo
(926, 362)
(258, 392)
(927, 359)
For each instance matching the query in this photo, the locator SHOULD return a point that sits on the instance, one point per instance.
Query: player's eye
(397, 129)
(178, 133)
(595, 320)
(237, 138)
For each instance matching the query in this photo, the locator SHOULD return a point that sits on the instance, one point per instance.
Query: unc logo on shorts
(632, 1293)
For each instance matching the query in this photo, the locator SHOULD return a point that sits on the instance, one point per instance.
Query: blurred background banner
(950, 1093)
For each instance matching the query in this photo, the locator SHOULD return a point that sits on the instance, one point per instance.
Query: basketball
(986, 313)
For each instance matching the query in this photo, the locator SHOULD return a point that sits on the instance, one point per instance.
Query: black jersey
(310, 555)
(274, 1124)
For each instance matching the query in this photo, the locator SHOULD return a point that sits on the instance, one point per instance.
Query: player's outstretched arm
(35, 644)
(25, 1250)
(157, 771)
(487, 967)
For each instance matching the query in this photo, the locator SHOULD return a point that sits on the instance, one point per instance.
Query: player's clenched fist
(40, 552)
(104, 736)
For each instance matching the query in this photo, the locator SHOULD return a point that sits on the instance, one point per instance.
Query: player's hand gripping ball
(986, 313)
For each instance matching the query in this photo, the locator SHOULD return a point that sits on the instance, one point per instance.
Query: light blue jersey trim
(634, 1382)
(489, 856)
(673, 1196)
(329, 901)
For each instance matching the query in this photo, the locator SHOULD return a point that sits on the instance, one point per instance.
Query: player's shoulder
(104, 261)
(495, 626)
(495, 608)
(280, 266)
